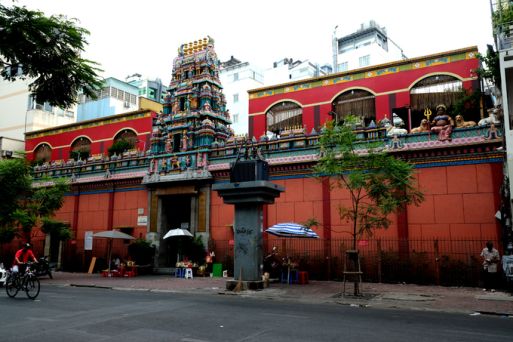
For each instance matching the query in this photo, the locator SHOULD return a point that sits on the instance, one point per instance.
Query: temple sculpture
(194, 116)
(442, 124)
(461, 123)
(424, 127)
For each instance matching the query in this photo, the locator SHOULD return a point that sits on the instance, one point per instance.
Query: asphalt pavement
(472, 301)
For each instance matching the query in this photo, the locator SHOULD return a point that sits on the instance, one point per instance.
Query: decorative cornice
(143, 113)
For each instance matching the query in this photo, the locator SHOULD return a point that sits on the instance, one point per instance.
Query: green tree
(120, 146)
(48, 50)
(23, 207)
(378, 183)
(492, 71)
(56, 229)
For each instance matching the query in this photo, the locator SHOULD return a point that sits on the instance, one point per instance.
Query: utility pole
(335, 49)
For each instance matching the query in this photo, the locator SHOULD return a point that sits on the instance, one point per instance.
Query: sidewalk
(404, 296)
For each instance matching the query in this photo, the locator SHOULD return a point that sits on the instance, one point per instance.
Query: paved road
(92, 314)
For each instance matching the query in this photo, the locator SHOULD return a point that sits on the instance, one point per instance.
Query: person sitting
(21, 258)
(442, 124)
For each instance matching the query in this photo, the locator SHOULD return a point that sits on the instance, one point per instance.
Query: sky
(134, 36)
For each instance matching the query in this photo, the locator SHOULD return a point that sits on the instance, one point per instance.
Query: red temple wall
(60, 142)
(460, 204)
(221, 218)
(396, 83)
(94, 210)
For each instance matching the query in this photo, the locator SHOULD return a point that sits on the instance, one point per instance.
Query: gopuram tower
(195, 117)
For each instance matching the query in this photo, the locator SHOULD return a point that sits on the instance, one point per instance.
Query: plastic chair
(188, 273)
(179, 272)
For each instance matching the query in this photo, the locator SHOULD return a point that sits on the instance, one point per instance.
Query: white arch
(125, 129)
(434, 74)
(352, 88)
(280, 101)
(42, 143)
(80, 137)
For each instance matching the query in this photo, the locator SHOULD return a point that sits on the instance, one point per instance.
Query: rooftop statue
(424, 127)
(442, 124)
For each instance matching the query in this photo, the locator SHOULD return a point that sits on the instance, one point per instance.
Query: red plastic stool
(302, 278)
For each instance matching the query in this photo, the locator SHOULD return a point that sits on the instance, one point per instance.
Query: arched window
(128, 135)
(80, 149)
(356, 102)
(434, 90)
(431, 91)
(284, 115)
(43, 153)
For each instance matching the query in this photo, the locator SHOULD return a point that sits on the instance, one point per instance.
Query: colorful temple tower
(195, 115)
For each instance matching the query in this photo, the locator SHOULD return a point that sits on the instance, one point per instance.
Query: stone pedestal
(248, 198)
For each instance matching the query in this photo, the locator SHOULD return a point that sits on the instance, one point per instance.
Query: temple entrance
(176, 213)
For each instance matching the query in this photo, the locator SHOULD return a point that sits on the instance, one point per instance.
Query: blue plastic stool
(179, 272)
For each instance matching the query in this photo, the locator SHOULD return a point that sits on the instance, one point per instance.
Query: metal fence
(443, 262)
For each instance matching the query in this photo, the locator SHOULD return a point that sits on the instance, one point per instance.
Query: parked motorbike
(3, 274)
(42, 268)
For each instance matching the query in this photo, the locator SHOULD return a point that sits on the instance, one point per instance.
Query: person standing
(491, 260)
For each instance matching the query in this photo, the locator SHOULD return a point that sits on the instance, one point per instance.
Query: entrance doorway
(176, 213)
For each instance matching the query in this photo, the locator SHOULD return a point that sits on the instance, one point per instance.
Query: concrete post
(248, 198)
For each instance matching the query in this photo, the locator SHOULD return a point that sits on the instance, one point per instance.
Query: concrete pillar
(248, 198)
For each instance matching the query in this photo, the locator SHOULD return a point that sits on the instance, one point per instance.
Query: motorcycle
(3, 274)
(42, 268)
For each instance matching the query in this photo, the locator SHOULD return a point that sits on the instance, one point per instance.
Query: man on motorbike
(22, 256)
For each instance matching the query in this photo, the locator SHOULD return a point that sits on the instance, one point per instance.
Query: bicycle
(27, 282)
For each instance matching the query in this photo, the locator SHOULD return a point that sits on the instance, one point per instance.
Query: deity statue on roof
(442, 124)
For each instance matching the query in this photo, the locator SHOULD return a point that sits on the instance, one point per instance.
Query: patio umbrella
(290, 229)
(112, 234)
(176, 233)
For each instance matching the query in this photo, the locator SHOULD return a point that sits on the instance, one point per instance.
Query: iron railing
(420, 261)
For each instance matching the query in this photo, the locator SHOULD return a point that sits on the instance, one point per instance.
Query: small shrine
(194, 116)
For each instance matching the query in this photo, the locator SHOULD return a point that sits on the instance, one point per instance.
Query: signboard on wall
(142, 220)
(88, 241)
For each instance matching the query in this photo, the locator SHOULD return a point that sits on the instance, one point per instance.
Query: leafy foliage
(48, 50)
(466, 103)
(57, 229)
(502, 17)
(24, 207)
(120, 146)
(492, 71)
(378, 183)
(14, 187)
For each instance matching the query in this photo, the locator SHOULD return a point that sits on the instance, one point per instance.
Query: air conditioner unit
(7, 154)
